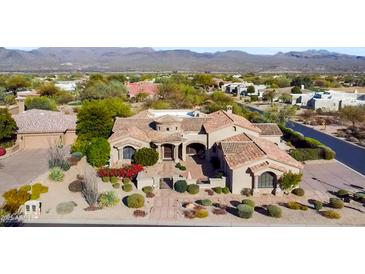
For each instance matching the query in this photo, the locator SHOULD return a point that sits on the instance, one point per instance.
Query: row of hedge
(306, 148)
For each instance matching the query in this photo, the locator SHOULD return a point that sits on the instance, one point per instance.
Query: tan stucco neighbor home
(43, 128)
(249, 154)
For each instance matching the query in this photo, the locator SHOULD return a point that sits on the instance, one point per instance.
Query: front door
(168, 152)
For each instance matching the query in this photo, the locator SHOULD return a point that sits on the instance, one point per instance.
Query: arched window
(128, 152)
(267, 180)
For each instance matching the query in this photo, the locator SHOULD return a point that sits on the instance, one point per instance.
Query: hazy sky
(255, 50)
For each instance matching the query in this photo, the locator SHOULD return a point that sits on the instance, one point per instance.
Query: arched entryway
(127, 153)
(195, 149)
(267, 180)
(168, 151)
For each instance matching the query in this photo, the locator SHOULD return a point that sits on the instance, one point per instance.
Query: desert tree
(353, 114)
(90, 190)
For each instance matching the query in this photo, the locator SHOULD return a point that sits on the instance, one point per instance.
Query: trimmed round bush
(225, 190)
(201, 213)
(116, 185)
(181, 186)
(105, 179)
(274, 211)
(147, 189)
(248, 202)
(206, 202)
(56, 174)
(65, 208)
(193, 189)
(127, 187)
(114, 179)
(98, 152)
(336, 203)
(217, 189)
(182, 168)
(245, 211)
(331, 214)
(359, 196)
(293, 205)
(298, 191)
(126, 180)
(108, 199)
(342, 193)
(135, 201)
(146, 156)
(318, 205)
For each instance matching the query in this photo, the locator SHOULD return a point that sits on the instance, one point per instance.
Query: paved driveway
(22, 168)
(331, 177)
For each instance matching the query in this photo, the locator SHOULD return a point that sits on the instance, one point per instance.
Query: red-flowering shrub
(125, 171)
(2, 151)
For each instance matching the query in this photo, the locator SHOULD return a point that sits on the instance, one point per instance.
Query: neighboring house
(241, 89)
(328, 100)
(67, 85)
(142, 87)
(43, 128)
(248, 153)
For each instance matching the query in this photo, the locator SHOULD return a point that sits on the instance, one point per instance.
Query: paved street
(22, 168)
(331, 177)
(349, 154)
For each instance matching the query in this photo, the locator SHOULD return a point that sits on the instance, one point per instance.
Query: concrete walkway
(21, 168)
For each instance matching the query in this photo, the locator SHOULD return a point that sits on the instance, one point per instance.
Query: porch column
(183, 152)
(255, 190)
(176, 153)
(159, 150)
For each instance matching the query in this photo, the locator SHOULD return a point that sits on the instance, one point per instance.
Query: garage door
(44, 141)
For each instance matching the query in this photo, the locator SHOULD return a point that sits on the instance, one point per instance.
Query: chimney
(20, 103)
(229, 109)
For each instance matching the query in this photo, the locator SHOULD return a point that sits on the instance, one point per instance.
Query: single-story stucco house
(249, 154)
(43, 128)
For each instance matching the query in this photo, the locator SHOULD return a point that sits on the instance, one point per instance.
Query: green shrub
(318, 205)
(41, 102)
(146, 156)
(56, 174)
(127, 187)
(126, 180)
(298, 191)
(105, 179)
(293, 205)
(193, 189)
(217, 189)
(37, 190)
(183, 168)
(359, 196)
(306, 154)
(328, 153)
(342, 193)
(225, 190)
(336, 203)
(181, 186)
(206, 202)
(178, 165)
(245, 211)
(274, 211)
(25, 188)
(331, 214)
(14, 199)
(98, 152)
(114, 179)
(116, 185)
(290, 180)
(147, 189)
(248, 202)
(201, 213)
(135, 201)
(80, 145)
(65, 208)
(108, 199)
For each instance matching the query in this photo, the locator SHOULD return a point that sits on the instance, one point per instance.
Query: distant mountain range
(150, 60)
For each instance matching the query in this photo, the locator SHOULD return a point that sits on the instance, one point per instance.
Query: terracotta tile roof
(142, 87)
(193, 124)
(269, 129)
(44, 121)
(221, 119)
(266, 164)
(242, 149)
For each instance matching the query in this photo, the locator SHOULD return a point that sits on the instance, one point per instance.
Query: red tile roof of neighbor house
(142, 87)
(242, 149)
(221, 119)
(269, 129)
